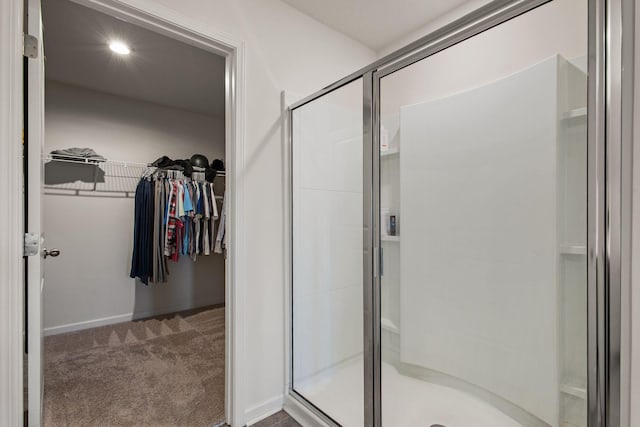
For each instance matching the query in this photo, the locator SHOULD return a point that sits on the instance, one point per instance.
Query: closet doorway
(132, 325)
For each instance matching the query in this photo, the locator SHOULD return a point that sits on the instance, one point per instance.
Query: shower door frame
(610, 125)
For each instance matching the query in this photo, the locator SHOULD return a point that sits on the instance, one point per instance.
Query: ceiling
(376, 23)
(159, 69)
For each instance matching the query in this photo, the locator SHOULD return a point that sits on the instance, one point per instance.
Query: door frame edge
(169, 22)
(11, 226)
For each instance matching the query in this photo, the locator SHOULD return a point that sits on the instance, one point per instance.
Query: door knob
(53, 252)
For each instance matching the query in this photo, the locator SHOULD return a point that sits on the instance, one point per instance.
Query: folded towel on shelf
(78, 154)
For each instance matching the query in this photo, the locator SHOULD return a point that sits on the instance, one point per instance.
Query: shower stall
(447, 239)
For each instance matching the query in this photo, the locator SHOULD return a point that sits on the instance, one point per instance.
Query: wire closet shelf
(97, 176)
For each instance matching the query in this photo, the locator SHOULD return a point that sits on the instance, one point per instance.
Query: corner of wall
(450, 16)
(264, 409)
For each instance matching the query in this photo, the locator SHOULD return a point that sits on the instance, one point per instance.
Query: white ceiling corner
(376, 23)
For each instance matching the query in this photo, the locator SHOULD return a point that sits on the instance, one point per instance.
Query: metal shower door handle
(53, 252)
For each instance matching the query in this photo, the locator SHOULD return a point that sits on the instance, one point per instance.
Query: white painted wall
(89, 283)
(456, 13)
(285, 50)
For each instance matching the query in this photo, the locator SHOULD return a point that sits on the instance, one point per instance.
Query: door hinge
(30, 46)
(31, 244)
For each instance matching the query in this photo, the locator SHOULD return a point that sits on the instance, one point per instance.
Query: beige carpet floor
(279, 419)
(158, 372)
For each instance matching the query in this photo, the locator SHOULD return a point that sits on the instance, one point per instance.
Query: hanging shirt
(167, 189)
(214, 217)
(206, 244)
(188, 210)
(170, 240)
(179, 230)
(157, 254)
(162, 261)
(177, 248)
(192, 226)
(142, 257)
(197, 219)
(188, 206)
(180, 212)
(221, 228)
(214, 203)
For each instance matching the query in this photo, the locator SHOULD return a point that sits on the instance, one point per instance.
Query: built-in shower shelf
(574, 114)
(390, 238)
(573, 250)
(389, 325)
(390, 154)
(573, 390)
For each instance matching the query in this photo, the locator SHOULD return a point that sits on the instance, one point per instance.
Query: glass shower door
(483, 183)
(327, 276)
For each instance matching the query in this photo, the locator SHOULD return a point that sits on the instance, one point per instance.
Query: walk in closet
(135, 185)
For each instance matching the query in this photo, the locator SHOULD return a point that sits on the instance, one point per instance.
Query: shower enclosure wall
(446, 229)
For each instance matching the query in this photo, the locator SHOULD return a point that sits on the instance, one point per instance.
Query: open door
(34, 178)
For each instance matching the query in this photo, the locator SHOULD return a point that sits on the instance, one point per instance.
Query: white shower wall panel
(327, 232)
(479, 261)
(328, 311)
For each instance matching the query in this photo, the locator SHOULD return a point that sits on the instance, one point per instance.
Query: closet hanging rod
(218, 173)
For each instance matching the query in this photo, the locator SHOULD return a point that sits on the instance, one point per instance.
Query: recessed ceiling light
(119, 48)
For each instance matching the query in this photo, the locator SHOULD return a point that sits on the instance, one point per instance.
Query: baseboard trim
(94, 323)
(112, 320)
(264, 410)
(301, 414)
